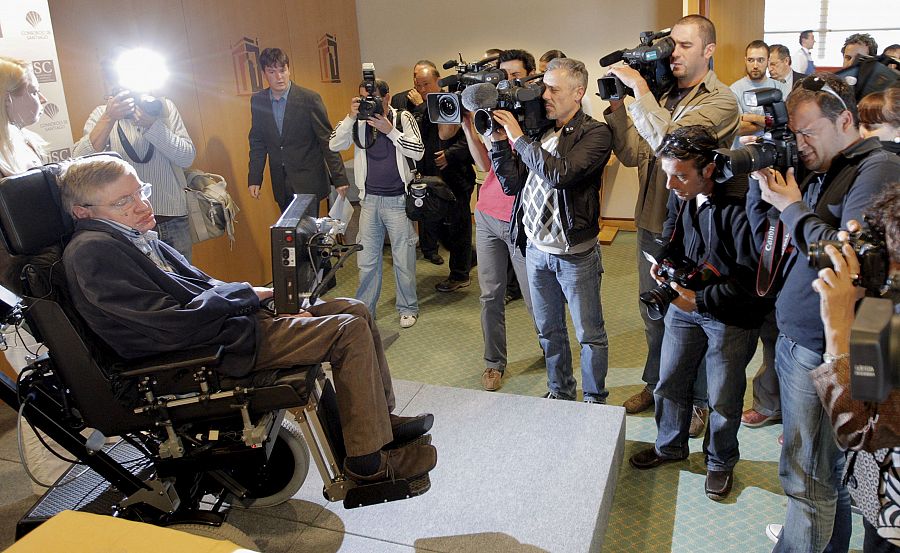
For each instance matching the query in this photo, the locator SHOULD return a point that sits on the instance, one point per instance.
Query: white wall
(394, 35)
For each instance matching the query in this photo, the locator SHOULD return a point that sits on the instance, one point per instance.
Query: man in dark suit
(290, 125)
(413, 98)
(780, 66)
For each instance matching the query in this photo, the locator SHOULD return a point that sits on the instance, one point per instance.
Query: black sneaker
(450, 285)
(434, 258)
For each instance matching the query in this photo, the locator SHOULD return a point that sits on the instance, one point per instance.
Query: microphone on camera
(609, 59)
(479, 96)
(449, 64)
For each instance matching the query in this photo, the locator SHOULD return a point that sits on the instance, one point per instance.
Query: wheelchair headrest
(31, 216)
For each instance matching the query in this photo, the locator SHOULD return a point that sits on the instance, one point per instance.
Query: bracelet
(829, 358)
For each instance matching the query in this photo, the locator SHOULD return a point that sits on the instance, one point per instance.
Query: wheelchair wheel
(223, 532)
(282, 476)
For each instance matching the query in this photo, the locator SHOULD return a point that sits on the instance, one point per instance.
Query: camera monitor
(294, 262)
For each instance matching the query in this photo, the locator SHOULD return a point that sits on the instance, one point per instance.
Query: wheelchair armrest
(209, 356)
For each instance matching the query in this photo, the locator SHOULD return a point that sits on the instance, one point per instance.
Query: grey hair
(576, 70)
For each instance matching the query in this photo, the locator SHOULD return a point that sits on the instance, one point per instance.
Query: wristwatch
(829, 358)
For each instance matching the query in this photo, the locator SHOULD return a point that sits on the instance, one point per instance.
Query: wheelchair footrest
(383, 492)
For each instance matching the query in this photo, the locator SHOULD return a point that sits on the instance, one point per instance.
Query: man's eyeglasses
(125, 202)
(817, 84)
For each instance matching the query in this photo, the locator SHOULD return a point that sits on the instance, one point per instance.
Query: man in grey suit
(290, 126)
(780, 66)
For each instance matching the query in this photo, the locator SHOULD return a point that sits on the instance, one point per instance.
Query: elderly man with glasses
(845, 173)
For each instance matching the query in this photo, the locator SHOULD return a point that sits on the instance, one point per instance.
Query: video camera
(870, 74)
(372, 104)
(678, 269)
(650, 59)
(777, 149)
(445, 107)
(521, 97)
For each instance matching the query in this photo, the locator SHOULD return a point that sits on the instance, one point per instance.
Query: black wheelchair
(164, 440)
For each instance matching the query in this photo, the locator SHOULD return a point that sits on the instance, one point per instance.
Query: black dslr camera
(650, 59)
(149, 104)
(446, 107)
(680, 270)
(777, 149)
(372, 104)
(521, 97)
(871, 250)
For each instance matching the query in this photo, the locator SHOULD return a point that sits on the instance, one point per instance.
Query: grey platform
(514, 474)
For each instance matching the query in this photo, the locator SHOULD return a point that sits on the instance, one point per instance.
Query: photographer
(870, 431)
(845, 173)
(159, 149)
(697, 98)
(714, 315)
(382, 173)
(556, 182)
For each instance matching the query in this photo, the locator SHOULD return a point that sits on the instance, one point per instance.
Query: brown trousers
(343, 333)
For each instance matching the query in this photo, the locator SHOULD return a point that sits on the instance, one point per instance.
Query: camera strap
(371, 135)
(776, 247)
(129, 149)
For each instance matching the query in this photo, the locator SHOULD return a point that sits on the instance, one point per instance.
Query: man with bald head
(413, 98)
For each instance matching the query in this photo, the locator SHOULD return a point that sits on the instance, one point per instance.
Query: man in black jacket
(290, 126)
(556, 181)
(714, 313)
(142, 298)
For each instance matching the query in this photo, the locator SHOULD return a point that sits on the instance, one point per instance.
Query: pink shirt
(492, 201)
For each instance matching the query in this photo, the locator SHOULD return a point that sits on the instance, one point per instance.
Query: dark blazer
(300, 161)
(797, 78)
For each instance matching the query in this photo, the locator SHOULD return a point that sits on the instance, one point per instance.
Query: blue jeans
(818, 510)
(380, 214)
(555, 280)
(691, 338)
(176, 232)
(494, 250)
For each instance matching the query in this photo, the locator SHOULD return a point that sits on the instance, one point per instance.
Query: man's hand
(254, 191)
(263, 293)
(119, 106)
(414, 97)
(354, 107)
(440, 159)
(686, 300)
(381, 123)
(838, 295)
(630, 78)
(142, 118)
(509, 122)
(778, 191)
(654, 273)
(342, 190)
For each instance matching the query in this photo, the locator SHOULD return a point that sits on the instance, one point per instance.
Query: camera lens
(484, 121)
(657, 300)
(751, 157)
(448, 107)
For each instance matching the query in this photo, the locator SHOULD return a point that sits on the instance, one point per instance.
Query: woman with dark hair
(879, 115)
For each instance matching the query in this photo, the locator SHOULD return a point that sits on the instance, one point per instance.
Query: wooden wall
(738, 22)
(196, 37)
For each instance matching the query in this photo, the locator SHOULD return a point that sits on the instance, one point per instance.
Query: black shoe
(511, 297)
(450, 285)
(434, 258)
(406, 429)
(650, 459)
(718, 484)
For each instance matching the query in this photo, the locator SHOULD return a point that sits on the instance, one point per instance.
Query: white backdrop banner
(26, 33)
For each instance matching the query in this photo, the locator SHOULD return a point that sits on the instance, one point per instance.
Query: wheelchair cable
(25, 463)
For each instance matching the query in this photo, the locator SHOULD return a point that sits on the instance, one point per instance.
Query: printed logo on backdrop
(55, 156)
(328, 59)
(48, 121)
(51, 110)
(44, 70)
(248, 77)
(35, 20)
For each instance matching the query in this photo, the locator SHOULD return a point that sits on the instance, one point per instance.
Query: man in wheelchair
(143, 298)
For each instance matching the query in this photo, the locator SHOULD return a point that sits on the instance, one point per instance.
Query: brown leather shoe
(751, 418)
(718, 484)
(490, 379)
(650, 459)
(698, 422)
(405, 463)
(639, 402)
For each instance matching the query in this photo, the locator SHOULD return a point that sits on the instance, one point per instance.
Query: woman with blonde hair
(21, 104)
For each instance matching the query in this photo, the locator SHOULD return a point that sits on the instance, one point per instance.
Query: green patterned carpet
(664, 509)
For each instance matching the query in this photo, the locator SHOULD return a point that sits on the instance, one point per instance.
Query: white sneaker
(407, 321)
(773, 531)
